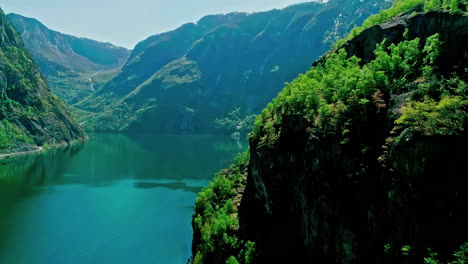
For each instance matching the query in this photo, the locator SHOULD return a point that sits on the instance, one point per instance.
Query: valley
(326, 132)
(74, 67)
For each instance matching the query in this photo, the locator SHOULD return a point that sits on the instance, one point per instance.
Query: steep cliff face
(183, 80)
(319, 201)
(30, 115)
(73, 66)
(313, 197)
(420, 25)
(360, 159)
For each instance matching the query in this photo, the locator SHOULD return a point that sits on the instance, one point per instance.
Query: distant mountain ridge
(55, 51)
(184, 79)
(70, 63)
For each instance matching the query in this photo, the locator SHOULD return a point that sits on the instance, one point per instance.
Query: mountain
(74, 66)
(360, 159)
(185, 79)
(30, 115)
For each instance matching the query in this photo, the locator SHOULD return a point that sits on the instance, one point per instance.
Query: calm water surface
(115, 199)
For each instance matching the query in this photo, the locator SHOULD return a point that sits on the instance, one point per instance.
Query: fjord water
(115, 199)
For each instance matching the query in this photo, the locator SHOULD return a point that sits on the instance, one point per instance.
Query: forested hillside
(359, 159)
(30, 115)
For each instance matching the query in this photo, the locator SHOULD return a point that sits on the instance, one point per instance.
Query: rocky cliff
(360, 160)
(184, 79)
(73, 66)
(30, 115)
(336, 202)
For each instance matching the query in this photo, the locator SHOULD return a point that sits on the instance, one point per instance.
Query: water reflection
(170, 185)
(107, 158)
(23, 174)
(87, 203)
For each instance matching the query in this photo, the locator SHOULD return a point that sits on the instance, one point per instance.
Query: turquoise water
(115, 199)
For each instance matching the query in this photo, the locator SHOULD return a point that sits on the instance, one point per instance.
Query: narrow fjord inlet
(115, 199)
(234, 132)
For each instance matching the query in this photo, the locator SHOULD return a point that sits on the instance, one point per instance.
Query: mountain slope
(183, 80)
(359, 160)
(70, 63)
(30, 115)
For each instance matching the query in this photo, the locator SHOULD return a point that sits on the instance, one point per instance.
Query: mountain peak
(55, 51)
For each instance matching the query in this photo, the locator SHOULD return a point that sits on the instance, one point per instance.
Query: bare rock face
(310, 199)
(452, 28)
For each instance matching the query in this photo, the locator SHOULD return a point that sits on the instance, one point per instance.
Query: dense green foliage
(460, 256)
(430, 117)
(9, 134)
(17, 65)
(339, 93)
(12, 69)
(215, 221)
(72, 86)
(29, 113)
(235, 122)
(402, 85)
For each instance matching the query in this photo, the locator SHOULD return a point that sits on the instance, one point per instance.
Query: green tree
(232, 260)
(235, 122)
(454, 6)
(431, 5)
(460, 256)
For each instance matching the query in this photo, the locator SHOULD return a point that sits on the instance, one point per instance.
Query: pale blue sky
(126, 22)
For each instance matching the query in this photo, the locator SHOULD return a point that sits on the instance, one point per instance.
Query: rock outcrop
(311, 198)
(421, 25)
(346, 168)
(317, 201)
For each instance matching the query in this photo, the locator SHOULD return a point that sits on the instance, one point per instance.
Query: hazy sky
(126, 22)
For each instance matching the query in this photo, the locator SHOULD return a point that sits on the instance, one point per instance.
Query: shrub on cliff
(215, 222)
(335, 95)
(400, 6)
(460, 256)
(343, 94)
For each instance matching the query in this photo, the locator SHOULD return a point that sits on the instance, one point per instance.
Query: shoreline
(41, 149)
(22, 153)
